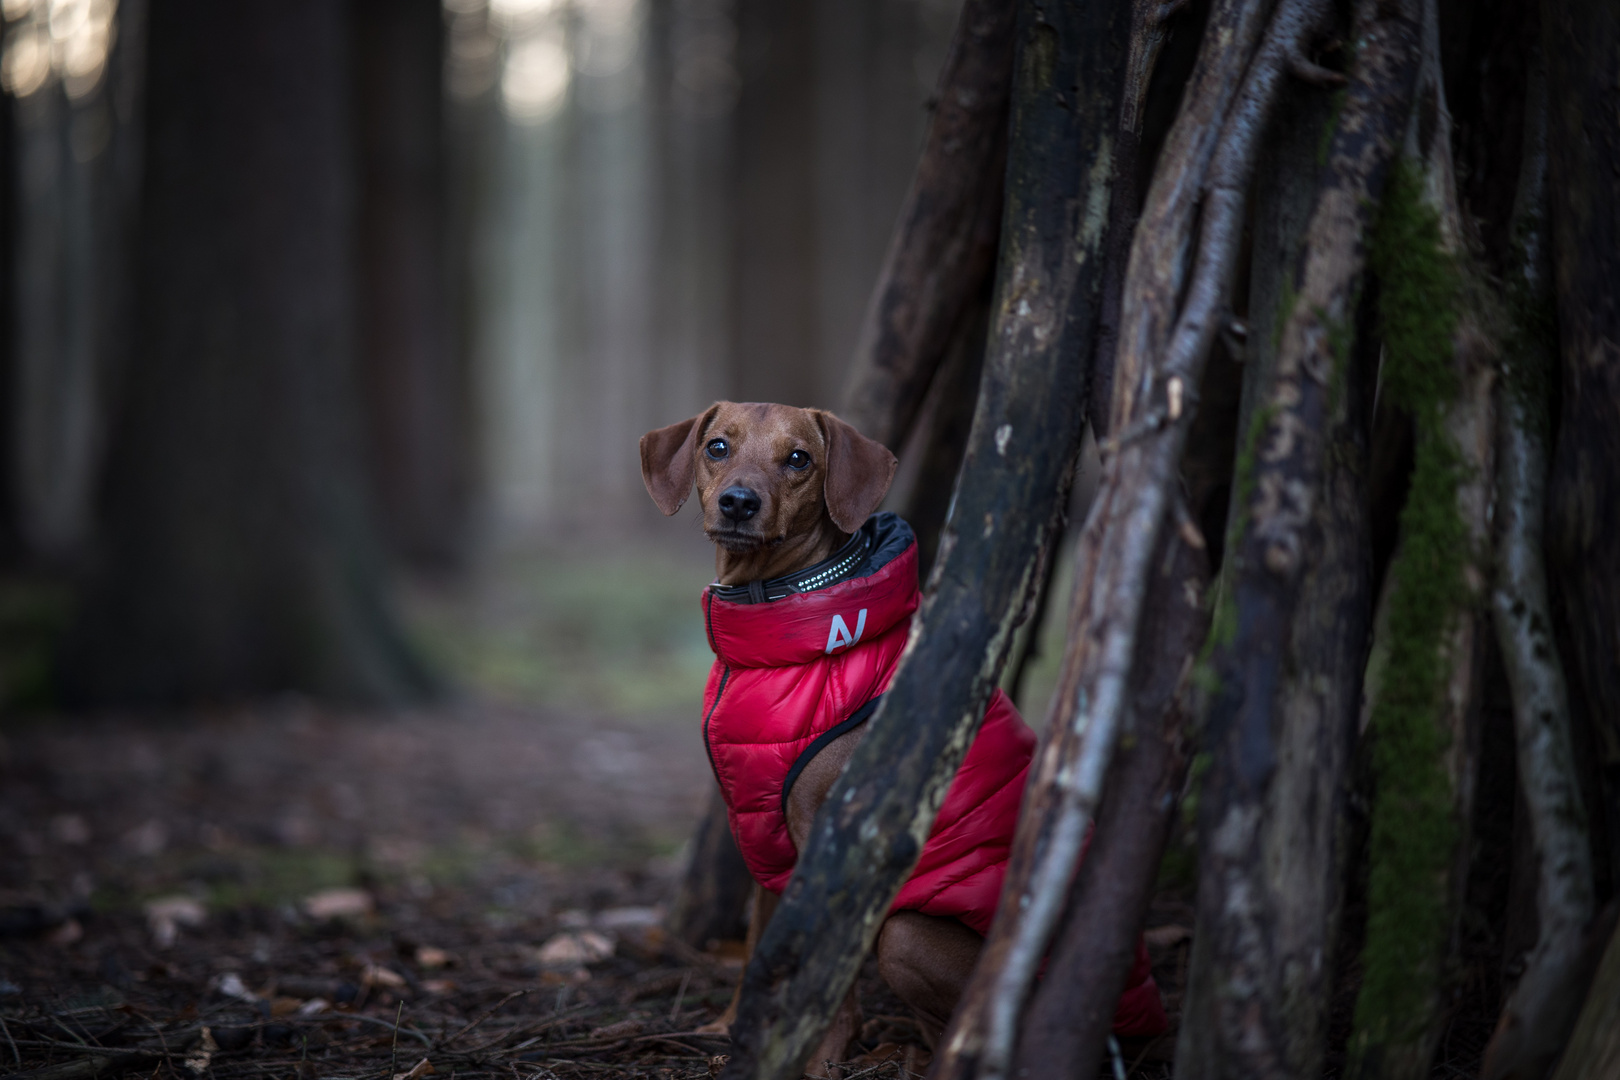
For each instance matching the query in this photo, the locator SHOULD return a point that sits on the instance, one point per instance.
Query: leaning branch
(1538, 1016)
(944, 247)
(1291, 628)
(1155, 397)
(1064, 1030)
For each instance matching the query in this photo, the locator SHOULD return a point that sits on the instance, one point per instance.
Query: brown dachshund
(783, 489)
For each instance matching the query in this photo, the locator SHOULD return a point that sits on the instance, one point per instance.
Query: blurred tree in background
(299, 300)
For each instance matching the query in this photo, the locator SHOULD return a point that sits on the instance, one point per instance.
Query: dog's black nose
(739, 503)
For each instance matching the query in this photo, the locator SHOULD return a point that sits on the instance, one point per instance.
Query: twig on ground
(491, 1011)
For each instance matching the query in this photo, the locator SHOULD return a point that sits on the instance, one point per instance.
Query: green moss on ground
(1413, 831)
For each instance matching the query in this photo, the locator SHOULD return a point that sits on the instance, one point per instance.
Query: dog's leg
(834, 1046)
(763, 907)
(926, 960)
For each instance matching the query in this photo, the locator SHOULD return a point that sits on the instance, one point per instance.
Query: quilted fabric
(788, 671)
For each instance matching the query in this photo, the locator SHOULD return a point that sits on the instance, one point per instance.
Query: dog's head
(765, 473)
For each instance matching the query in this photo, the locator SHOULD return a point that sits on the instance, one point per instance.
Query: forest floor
(469, 889)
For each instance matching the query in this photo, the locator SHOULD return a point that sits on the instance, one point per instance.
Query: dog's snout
(739, 503)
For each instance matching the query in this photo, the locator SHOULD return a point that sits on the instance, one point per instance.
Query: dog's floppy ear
(858, 472)
(669, 461)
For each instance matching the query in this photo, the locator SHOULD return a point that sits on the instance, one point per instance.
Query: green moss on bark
(1413, 828)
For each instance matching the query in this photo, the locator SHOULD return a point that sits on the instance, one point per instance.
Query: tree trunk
(238, 554)
(1292, 619)
(774, 345)
(1013, 483)
(1582, 39)
(942, 254)
(1424, 715)
(415, 384)
(1065, 1028)
(711, 902)
(1538, 1016)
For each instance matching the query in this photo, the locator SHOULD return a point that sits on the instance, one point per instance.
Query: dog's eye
(798, 460)
(717, 449)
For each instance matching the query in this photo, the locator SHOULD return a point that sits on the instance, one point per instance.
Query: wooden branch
(1065, 1029)
(1440, 367)
(944, 247)
(1583, 498)
(1290, 637)
(1158, 262)
(1013, 485)
(1150, 27)
(1116, 547)
(1539, 1014)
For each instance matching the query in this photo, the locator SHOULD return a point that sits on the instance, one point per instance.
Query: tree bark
(1291, 627)
(416, 388)
(1536, 1021)
(1065, 1028)
(238, 557)
(1160, 364)
(1582, 38)
(1013, 484)
(1425, 710)
(943, 251)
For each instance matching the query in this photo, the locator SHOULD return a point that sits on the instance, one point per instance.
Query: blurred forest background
(312, 307)
(327, 332)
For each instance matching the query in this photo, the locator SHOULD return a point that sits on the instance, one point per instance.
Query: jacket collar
(866, 588)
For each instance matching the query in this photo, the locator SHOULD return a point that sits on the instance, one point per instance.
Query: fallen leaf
(717, 1063)
(438, 986)
(285, 1006)
(420, 1069)
(730, 953)
(338, 904)
(230, 985)
(881, 1054)
(629, 918)
(199, 1059)
(314, 1007)
(166, 914)
(430, 957)
(575, 948)
(375, 976)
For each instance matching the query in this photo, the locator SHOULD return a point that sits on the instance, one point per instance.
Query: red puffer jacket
(802, 659)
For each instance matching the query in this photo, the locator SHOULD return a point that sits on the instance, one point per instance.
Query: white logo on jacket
(839, 635)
